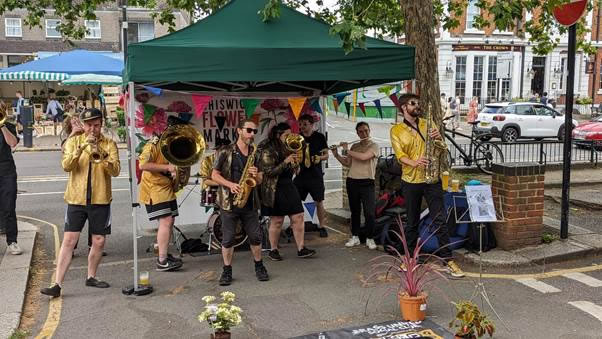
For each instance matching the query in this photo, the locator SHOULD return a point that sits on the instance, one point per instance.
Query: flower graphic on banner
(182, 108)
(155, 125)
(272, 106)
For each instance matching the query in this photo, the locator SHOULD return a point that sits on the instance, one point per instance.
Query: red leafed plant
(412, 271)
(179, 106)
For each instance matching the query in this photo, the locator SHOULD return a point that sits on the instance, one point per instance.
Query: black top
(7, 163)
(317, 143)
(239, 161)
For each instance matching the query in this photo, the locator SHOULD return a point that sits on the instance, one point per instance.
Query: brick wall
(520, 189)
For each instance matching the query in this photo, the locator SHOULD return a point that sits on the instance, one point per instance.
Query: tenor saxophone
(246, 183)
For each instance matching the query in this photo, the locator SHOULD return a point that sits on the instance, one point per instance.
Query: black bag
(193, 245)
(488, 237)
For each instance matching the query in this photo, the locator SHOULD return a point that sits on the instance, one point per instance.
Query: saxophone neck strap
(415, 128)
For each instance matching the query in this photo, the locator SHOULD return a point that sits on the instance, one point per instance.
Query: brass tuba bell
(182, 146)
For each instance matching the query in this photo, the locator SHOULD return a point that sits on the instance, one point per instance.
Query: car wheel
(561, 132)
(510, 134)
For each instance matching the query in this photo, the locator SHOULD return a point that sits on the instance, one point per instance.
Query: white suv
(511, 121)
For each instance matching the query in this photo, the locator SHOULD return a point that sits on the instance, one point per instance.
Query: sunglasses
(413, 103)
(251, 130)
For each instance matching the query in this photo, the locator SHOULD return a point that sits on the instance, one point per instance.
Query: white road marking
(63, 192)
(588, 307)
(584, 278)
(538, 285)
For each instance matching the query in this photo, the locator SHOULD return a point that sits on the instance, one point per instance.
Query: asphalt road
(304, 296)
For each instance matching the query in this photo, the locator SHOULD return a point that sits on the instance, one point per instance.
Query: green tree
(414, 20)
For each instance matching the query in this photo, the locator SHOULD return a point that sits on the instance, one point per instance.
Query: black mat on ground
(387, 330)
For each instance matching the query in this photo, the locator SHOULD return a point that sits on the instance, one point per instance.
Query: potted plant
(470, 322)
(121, 133)
(221, 316)
(412, 272)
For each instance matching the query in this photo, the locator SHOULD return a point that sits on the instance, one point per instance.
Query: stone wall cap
(519, 169)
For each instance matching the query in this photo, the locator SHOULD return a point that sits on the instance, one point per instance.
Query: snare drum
(208, 196)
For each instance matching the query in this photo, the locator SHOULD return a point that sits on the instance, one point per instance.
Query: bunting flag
(362, 107)
(153, 90)
(348, 108)
(395, 99)
(311, 208)
(149, 111)
(315, 105)
(200, 102)
(380, 109)
(220, 120)
(249, 105)
(296, 105)
(341, 97)
(336, 105)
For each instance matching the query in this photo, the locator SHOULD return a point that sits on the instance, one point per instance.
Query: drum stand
(479, 288)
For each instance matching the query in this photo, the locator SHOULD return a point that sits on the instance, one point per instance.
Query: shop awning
(93, 79)
(33, 76)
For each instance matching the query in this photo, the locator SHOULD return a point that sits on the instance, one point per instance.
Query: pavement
(14, 274)
(49, 143)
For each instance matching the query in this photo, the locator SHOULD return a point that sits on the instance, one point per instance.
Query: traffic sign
(569, 13)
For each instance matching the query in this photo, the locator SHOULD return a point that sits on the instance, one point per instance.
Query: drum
(214, 226)
(208, 197)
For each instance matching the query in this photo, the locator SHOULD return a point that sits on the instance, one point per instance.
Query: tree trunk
(420, 33)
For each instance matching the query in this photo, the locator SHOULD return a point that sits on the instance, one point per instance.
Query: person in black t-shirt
(310, 180)
(8, 183)
(228, 168)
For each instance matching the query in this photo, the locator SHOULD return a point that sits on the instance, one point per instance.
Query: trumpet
(97, 155)
(349, 143)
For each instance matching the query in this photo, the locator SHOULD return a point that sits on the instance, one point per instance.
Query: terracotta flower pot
(221, 335)
(413, 308)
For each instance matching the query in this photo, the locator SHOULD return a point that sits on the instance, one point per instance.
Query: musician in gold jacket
(233, 163)
(279, 195)
(88, 196)
(408, 139)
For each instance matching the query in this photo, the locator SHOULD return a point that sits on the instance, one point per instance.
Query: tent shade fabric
(33, 76)
(72, 62)
(93, 79)
(233, 50)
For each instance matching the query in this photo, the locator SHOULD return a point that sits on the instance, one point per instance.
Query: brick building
(499, 66)
(19, 42)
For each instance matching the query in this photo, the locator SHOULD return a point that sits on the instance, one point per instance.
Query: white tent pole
(132, 176)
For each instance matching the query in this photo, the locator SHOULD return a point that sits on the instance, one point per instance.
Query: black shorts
(162, 209)
(286, 202)
(249, 219)
(313, 186)
(98, 217)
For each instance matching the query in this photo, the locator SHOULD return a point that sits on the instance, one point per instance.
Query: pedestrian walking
(8, 182)
(472, 109)
(54, 110)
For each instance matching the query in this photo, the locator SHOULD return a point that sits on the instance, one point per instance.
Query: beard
(416, 113)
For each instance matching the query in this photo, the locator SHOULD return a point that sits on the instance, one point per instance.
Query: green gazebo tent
(232, 50)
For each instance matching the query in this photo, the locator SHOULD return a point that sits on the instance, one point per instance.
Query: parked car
(589, 134)
(511, 121)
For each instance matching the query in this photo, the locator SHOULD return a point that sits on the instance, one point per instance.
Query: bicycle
(480, 151)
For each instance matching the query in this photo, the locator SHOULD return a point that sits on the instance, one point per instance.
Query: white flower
(208, 299)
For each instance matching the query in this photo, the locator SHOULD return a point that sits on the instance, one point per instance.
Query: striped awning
(33, 76)
(93, 79)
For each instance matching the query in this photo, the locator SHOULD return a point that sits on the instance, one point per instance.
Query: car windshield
(492, 109)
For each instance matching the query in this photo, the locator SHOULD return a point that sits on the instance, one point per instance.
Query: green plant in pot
(470, 323)
(221, 316)
(412, 272)
(121, 133)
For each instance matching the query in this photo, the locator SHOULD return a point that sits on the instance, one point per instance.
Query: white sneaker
(14, 249)
(353, 241)
(371, 244)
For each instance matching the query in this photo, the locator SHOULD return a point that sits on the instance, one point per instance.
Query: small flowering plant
(221, 316)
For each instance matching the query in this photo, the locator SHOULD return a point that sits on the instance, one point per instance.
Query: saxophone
(246, 183)
(435, 153)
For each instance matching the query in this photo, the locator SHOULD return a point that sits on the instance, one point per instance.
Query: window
(509, 110)
(138, 32)
(461, 77)
(92, 29)
(13, 27)
(492, 79)
(544, 111)
(471, 13)
(51, 28)
(505, 95)
(562, 66)
(14, 60)
(524, 110)
(477, 77)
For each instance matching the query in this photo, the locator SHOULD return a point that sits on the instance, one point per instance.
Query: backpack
(488, 237)
(388, 200)
(389, 168)
(193, 245)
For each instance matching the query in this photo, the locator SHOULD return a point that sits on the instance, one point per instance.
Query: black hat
(90, 114)
(174, 120)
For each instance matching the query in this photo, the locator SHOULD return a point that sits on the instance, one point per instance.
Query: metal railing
(542, 152)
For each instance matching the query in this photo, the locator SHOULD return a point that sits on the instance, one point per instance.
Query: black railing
(543, 152)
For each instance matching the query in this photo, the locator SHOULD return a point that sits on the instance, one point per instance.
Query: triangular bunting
(348, 107)
(153, 90)
(380, 109)
(296, 105)
(311, 208)
(395, 99)
(315, 105)
(149, 111)
(249, 105)
(362, 107)
(200, 102)
(335, 103)
(341, 97)
(220, 120)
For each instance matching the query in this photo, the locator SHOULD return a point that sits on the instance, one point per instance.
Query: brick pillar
(344, 172)
(520, 187)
